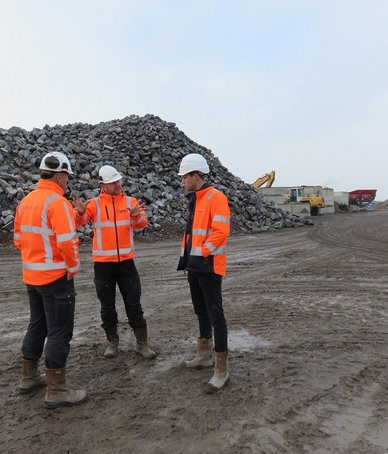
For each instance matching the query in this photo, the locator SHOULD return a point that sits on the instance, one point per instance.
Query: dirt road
(308, 323)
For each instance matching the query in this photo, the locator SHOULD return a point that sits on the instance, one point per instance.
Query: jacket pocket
(201, 264)
(64, 304)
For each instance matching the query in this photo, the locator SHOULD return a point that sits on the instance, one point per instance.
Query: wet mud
(307, 313)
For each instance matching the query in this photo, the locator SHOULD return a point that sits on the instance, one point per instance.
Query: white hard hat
(108, 174)
(193, 162)
(55, 161)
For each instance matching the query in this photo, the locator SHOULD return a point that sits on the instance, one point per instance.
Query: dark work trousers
(106, 276)
(205, 289)
(51, 316)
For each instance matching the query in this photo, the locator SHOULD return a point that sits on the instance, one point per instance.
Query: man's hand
(79, 205)
(137, 209)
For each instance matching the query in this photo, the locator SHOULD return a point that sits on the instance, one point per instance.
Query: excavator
(267, 178)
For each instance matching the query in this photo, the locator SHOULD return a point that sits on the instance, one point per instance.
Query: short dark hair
(200, 174)
(47, 174)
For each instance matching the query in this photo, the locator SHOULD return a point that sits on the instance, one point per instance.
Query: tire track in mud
(350, 403)
(362, 240)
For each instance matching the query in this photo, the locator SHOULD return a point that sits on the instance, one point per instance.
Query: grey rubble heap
(147, 150)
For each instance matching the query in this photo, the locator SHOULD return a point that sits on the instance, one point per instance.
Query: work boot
(30, 378)
(57, 394)
(203, 358)
(112, 335)
(221, 375)
(142, 347)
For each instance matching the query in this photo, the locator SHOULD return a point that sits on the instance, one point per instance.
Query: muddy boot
(221, 375)
(203, 357)
(112, 349)
(30, 378)
(142, 347)
(57, 394)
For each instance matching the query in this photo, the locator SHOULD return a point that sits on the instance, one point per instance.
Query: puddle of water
(242, 340)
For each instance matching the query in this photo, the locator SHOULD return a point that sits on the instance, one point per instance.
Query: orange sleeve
(220, 223)
(138, 222)
(16, 231)
(88, 215)
(62, 222)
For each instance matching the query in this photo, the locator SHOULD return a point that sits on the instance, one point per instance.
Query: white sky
(295, 86)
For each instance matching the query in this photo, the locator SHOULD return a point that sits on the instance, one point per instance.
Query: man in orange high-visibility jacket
(203, 256)
(115, 217)
(46, 235)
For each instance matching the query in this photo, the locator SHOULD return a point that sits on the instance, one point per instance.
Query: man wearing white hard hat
(115, 217)
(203, 257)
(46, 235)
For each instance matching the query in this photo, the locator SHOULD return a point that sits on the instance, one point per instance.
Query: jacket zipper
(117, 236)
(107, 212)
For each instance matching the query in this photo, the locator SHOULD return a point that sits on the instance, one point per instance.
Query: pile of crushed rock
(147, 150)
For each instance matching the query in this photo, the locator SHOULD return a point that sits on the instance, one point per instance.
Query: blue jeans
(205, 289)
(52, 316)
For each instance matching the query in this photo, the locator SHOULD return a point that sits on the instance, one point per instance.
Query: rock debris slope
(147, 150)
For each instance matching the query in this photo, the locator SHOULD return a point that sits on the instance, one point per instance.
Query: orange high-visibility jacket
(46, 235)
(209, 233)
(113, 226)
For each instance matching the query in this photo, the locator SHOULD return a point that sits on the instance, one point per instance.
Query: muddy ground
(307, 310)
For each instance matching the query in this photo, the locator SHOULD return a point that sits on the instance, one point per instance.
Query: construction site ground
(307, 312)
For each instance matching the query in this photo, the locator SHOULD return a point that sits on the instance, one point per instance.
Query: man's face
(191, 182)
(63, 180)
(113, 188)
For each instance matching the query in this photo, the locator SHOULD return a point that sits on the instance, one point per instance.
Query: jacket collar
(199, 192)
(49, 184)
(107, 196)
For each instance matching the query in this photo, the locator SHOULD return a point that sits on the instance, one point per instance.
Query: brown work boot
(112, 350)
(221, 375)
(30, 378)
(142, 347)
(57, 394)
(203, 357)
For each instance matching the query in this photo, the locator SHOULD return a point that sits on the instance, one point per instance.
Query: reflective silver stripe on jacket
(202, 232)
(16, 236)
(130, 201)
(215, 250)
(197, 251)
(100, 225)
(113, 251)
(50, 266)
(66, 237)
(37, 230)
(97, 230)
(44, 266)
(220, 218)
(74, 268)
(45, 236)
(73, 232)
(211, 193)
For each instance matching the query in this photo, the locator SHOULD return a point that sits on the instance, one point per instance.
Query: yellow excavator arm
(267, 178)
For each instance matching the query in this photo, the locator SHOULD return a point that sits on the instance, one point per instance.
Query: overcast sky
(295, 86)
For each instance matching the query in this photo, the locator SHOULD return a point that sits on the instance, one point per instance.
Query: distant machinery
(267, 178)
